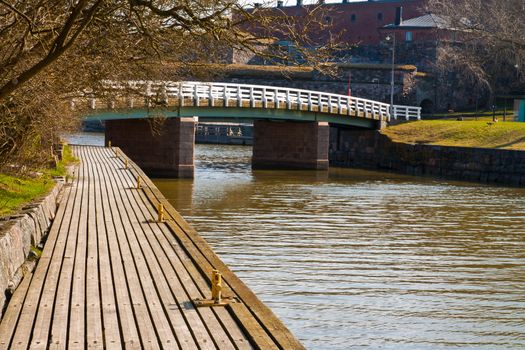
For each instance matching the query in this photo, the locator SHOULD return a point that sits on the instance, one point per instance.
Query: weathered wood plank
(147, 332)
(125, 309)
(77, 311)
(149, 275)
(9, 320)
(112, 336)
(94, 335)
(59, 325)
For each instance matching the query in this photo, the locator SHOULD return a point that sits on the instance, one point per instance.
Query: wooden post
(216, 286)
(160, 213)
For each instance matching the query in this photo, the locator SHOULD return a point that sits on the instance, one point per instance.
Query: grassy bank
(17, 191)
(508, 135)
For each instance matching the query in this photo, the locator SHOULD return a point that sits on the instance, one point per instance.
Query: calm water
(363, 260)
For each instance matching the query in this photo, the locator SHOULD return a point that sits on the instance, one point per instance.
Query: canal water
(353, 259)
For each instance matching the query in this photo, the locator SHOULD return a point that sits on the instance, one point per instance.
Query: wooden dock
(110, 276)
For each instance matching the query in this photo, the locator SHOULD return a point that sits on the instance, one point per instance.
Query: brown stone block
(293, 145)
(167, 152)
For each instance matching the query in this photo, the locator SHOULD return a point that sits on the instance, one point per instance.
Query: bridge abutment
(162, 148)
(290, 145)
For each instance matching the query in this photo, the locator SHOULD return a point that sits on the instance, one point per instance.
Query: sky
(293, 2)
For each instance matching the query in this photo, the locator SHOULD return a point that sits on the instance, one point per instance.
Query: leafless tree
(490, 46)
(49, 48)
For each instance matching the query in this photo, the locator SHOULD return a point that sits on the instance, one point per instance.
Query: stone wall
(366, 81)
(373, 150)
(17, 235)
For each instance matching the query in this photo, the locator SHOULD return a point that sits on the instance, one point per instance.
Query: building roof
(429, 21)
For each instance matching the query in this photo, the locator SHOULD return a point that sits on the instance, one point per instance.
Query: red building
(358, 22)
(426, 28)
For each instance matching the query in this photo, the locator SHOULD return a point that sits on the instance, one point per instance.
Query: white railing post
(148, 94)
(164, 94)
(252, 98)
(264, 100)
(288, 100)
(239, 96)
(225, 95)
(195, 95)
(181, 96)
(309, 101)
(210, 95)
(339, 105)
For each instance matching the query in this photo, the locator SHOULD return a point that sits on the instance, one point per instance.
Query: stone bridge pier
(161, 148)
(290, 145)
(167, 149)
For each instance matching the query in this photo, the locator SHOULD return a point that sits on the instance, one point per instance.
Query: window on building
(409, 36)
(380, 16)
(353, 17)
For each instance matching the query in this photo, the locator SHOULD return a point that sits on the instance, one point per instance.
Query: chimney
(299, 2)
(257, 5)
(345, 1)
(399, 15)
(280, 3)
(320, 2)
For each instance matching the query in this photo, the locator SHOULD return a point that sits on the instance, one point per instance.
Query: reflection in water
(358, 259)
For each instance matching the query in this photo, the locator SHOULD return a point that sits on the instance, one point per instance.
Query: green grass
(485, 134)
(17, 191)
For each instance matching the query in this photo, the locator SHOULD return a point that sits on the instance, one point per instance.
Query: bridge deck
(111, 277)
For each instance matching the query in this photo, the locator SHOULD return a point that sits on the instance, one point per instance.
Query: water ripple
(354, 259)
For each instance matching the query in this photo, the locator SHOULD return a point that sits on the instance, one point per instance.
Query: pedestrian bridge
(154, 122)
(225, 101)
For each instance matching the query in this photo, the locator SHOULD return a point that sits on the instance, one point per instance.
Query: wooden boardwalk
(111, 277)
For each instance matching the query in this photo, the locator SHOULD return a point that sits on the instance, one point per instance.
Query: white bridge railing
(252, 96)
